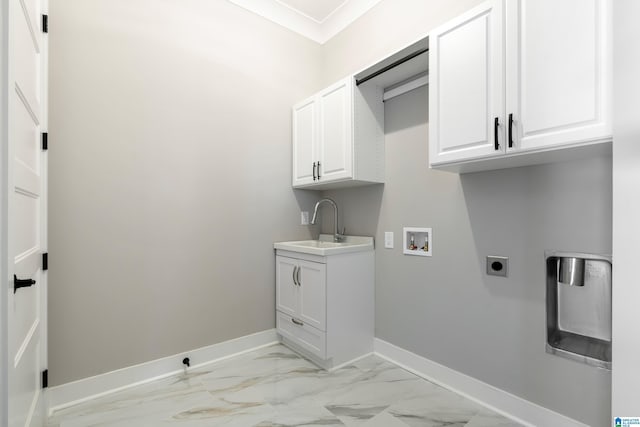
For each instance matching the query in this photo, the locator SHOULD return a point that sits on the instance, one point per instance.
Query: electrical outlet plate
(497, 265)
(304, 218)
(388, 239)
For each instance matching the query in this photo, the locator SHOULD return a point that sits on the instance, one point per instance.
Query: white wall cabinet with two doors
(325, 305)
(338, 137)
(514, 77)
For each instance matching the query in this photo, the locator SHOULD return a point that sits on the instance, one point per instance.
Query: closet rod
(392, 65)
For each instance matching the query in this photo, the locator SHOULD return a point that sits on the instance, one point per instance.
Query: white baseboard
(75, 392)
(514, 407)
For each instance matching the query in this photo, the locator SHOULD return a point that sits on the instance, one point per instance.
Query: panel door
(286, 288)
(305, 140)
(336, 131)
(26, 321)
(466, 86)
(558, 71)
(313, 294)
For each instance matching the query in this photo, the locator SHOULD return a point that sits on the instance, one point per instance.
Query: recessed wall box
(417, 241)
(579, 307)
(497, 266)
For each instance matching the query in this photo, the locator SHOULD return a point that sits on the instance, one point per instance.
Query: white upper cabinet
(336, 146)
(514, 81)
(338, 137)
(558, 72)
(306, 136)
(466, 90)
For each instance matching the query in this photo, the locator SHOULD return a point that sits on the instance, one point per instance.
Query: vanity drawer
(307, 337)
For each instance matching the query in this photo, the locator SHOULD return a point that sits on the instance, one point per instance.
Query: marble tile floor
(273, 386)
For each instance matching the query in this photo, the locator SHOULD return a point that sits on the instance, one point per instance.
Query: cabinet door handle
(318, 171)
(298, 276)
(293, 275)
(510, 130)
(496, 143)
(297, 322)
(314, 171)
(21, 283)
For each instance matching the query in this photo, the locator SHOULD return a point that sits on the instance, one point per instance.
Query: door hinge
(45, 141)
(45, 261)
(45, 23)
(45, 378)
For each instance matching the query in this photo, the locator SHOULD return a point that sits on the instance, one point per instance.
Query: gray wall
(170, 176)
(626, 209)
(445, 308)
(170, 179)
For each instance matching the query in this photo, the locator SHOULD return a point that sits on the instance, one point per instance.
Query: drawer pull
(298, 277)
(297, 322)
(293, 276)
(510, 130)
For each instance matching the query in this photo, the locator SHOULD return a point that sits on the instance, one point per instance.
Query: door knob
(21, 283)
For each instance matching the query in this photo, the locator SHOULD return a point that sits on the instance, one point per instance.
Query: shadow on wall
(444, 306)
(521, 212)
(358, 210)
(363, 205)
(306, 201)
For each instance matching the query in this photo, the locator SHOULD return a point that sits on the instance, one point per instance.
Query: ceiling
(318, 20)
(318, 10)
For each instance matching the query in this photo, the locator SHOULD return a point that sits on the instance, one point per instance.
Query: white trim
(75, 392)
(297, 21)
(507, 404)
(25, 343)
(405, 87)
(344, 16)
(350, 362)
(4, 211)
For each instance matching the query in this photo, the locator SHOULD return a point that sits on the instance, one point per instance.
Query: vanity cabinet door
(313, 294)
(301, 290)
(286, 288)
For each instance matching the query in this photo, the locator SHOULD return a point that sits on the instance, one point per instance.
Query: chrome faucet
(337, 237)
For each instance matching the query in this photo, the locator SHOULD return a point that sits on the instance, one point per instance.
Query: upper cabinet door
(466, 85)
(305, 141)
(336, 131)
(558, 71)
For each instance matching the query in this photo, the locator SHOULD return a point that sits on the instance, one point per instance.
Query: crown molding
(296, 21)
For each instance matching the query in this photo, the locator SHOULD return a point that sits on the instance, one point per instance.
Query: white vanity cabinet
(301, 290)
(324, 305)
(338, 137)
(513, 79)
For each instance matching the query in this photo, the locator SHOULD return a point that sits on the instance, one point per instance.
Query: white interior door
(27, 213)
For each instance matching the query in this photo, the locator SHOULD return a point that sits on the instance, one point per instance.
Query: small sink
(317, 244)
(325, 245)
